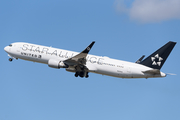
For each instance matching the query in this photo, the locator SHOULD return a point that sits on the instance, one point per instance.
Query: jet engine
(57, 64)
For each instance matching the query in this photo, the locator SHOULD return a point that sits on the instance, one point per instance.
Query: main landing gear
(81, 74)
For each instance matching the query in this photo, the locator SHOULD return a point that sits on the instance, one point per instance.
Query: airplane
(83, 63)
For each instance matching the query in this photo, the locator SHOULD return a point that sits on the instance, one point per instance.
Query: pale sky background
(123, 30)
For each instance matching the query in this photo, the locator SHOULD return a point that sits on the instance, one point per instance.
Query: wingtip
(92, 43)
(172, 42)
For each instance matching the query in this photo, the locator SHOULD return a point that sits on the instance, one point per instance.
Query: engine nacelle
(57, 64)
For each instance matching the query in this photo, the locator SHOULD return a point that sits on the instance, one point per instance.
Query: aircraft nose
(6, 49)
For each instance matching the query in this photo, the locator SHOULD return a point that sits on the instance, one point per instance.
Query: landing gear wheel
(87, 76)
(76, 75)
(10, 59)
(81, 74)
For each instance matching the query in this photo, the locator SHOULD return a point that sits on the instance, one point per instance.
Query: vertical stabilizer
(158, 58)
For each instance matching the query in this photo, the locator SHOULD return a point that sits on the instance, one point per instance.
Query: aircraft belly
(105, 70)
(113, 71)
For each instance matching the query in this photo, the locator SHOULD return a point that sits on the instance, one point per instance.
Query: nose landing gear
(10, 59)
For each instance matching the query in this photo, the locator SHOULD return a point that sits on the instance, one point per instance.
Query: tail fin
(158, 58)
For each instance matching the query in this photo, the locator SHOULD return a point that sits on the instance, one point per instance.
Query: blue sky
(123, 30)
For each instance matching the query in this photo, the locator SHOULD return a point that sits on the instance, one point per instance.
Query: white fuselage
(95, 64)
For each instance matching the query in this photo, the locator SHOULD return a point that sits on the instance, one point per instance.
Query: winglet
(79, 58)
(88, 48)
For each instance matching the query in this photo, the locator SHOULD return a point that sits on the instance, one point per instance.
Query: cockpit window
(10, 45)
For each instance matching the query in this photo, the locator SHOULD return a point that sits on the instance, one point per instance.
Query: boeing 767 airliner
(83, 63)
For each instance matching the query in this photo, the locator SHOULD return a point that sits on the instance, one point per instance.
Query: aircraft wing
(79, 59)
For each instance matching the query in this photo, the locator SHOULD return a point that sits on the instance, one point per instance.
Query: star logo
(88, 48)
(156, 60)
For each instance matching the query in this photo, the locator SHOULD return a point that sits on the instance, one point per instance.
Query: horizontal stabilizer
(153, 71)
(140, 59)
